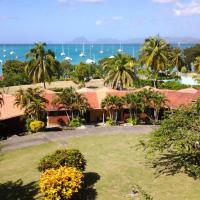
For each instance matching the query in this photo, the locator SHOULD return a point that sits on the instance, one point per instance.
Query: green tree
(66, 69)
(175, 146)
(197, 64)
(119, 71)
(70, 101)
(134, 102)
(155, 55)
(42, 65)
(112, 104)
(32, 101)
(177, 58)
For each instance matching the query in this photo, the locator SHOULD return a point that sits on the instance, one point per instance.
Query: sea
(94, 52)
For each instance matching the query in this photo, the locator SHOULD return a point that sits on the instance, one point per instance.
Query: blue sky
(24, 21)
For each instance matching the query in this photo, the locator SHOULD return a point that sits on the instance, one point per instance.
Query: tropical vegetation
(41, 64)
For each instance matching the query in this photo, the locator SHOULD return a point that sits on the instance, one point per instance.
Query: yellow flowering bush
(36, 126)
(61, 183)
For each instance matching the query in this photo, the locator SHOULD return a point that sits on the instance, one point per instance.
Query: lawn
(114, 165)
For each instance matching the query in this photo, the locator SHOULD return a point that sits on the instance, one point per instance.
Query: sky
(24, 21)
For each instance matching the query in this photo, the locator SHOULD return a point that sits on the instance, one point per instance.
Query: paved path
(44, 137)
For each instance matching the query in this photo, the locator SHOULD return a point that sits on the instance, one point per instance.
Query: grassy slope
(114, 158)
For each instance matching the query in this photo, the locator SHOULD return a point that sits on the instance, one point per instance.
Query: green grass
(114, 158)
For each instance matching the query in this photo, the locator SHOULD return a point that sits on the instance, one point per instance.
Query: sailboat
(90, 61)
(68, 58)
(120, 49)
(112, 56)
(82, 54)
(63, 52)
(12, 52)
(1, 61)
(133, 52)
(101, 51)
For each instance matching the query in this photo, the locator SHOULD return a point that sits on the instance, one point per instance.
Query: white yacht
(90, 60)
(82, 54)
(12, 52)
(111, 57)
(63, 52)
(120, 48)
(101, 51)
(1, 61)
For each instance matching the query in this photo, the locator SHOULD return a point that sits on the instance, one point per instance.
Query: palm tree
(154, 55)
(32, 101)
(177, 58)
(120, 71)
(112, 104)
(42, 64)
(1, 99)
(71, 101)
(197, 64)
(134, 102)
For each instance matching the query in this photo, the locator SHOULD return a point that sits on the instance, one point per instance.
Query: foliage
(132, 121)
(110, 122)
(172, 85)
(83, 73)
(65, 69)
(191, 53)
(119, 71)
(70, 100)
(155, 55)
(177, 58)
(140, 194)
(197, 64)
(75, 122)
(112, 104)
(41, 66)
(14, 73)
(33, 101)
(36, 126)
(61, 184)
(63, 157)
(184, 69)
(178, 142)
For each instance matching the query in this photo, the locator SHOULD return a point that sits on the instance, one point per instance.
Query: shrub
(140, 193)
(184, 70)
(172, 85)
(61, 184)
(132, 121)
(36, 126)
(110, 122)
(64, 157)
(75, 122)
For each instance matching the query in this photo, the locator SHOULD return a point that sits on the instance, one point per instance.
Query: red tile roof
(9, 110)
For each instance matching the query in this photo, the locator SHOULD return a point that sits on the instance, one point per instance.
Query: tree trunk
(44, 85)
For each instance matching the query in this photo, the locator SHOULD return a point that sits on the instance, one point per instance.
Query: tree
(190, 54)
(14, 73)
(71, 101)
(154, 55)
(119, 71)
(1, 99)
(134, 102)
(175, 146)
(42, 65)
(66, 69)
(177, 58)
(32, 101)
(112, 104)
(197, 64)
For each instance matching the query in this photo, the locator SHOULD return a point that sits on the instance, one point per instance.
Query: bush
(64, 157)
(140, 193)
(110, 122)
(132, 121)
(61, 184)
(172, 85)
(36, 126)
(184, 70)
(75, 122)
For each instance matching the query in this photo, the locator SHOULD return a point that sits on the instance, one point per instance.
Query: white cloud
(190, 9)
(165, 1)
(68, 2)
(111, 20)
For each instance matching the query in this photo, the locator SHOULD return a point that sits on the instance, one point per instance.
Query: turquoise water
(18, 51)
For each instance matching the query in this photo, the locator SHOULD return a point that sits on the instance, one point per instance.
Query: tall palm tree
(120, 71)
(134, 102)
(70, 101)
(112, 104)
(32, 101)
(177, 58)
(41, 64)
(155, 55)
(197, 64)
